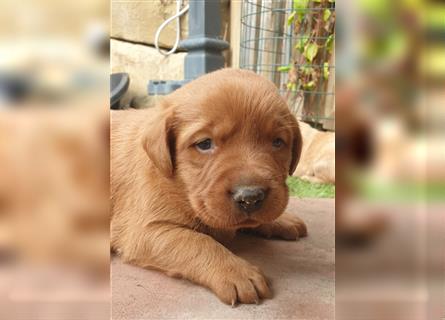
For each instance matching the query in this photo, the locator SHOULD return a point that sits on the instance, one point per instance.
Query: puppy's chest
(222, 236)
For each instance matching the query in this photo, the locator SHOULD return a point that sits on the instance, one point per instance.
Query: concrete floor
(302, 275)
(401, 274)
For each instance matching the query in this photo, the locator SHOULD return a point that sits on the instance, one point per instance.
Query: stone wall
(133, 29)
(142, 63)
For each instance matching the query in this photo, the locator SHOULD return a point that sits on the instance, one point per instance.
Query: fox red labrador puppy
(210, 159)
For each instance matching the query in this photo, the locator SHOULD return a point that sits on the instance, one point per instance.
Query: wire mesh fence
(290, 42)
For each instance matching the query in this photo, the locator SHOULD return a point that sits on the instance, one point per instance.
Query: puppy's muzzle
(249, 198)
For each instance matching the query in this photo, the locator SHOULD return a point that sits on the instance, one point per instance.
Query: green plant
(313, 24)
(304, 189)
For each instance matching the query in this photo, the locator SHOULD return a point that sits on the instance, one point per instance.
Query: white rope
(179, 13)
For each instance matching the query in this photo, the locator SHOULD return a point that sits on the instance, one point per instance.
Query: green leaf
(299, 46)
(291, 18)
(310, 85)
(326, 70)
(326, 14)
(329, 43)
(291, 86)
(310, 51)
(301, 42)
(300, 4)
(284, 68)
(307, 70)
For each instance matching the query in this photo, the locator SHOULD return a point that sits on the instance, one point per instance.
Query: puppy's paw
(287, 226)
(241, 282)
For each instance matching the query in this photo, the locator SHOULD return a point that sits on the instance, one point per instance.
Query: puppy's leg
(198, 257)
(286, 226)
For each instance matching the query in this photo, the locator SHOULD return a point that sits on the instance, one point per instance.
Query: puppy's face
(231, 146)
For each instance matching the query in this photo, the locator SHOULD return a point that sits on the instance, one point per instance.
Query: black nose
(249, 198)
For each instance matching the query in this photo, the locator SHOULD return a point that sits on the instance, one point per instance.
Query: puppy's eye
(205, 145)
(278, 143)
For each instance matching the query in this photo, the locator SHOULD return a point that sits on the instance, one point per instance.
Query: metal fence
(290, 42)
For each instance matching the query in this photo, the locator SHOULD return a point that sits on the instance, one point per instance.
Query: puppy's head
(229, 141)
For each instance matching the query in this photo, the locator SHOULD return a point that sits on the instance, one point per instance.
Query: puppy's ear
(159, 141)
(297, 144)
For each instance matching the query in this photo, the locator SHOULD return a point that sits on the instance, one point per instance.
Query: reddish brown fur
(170, 202)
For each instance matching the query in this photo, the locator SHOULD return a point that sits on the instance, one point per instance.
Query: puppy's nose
(249, 198)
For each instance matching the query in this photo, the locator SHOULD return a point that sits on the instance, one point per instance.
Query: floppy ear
(159, 141)
(297, 144)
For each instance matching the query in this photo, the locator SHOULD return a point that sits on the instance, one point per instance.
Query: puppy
(54, 189)
(317, 163)
(211, 159)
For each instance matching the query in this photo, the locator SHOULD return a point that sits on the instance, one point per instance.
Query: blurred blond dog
(317, 163)
(54, 188)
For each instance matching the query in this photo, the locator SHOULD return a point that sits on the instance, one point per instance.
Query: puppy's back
(127, 154)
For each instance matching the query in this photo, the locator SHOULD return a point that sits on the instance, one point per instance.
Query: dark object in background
(14, 88)
(119, 83)
(355, 149)
(204, 47)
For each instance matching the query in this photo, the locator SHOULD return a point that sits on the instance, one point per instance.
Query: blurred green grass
(405, 192)
(304, 189)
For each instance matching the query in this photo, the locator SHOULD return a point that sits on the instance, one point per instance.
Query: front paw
(239, 281)
(287, 226)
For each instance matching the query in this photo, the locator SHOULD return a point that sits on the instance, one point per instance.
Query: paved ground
(302, 275)
(399, 276)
